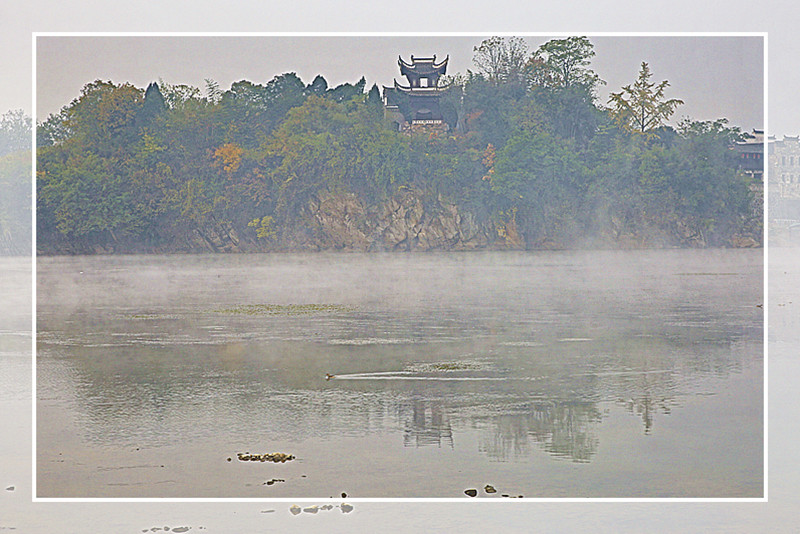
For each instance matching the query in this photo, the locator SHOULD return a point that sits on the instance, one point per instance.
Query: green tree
(15, 132)
(500, 59)
(563, 87)
(87, 195)
(249, 112)
(15, 202)
(15, 183)
(538, 176)
(103, 118)
(318, 86)
(642, 107)
(564, 63)
(154, 104)
(374, 100)
(714, 196)
(347, 91)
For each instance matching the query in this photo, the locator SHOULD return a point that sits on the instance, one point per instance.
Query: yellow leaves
(265, 227)
(489, 156)
(228, 157)
(151, 144)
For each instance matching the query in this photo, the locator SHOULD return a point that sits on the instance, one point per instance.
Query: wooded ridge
(529, 159)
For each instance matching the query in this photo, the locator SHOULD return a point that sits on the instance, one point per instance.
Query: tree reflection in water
(427, 424)
(566, 430)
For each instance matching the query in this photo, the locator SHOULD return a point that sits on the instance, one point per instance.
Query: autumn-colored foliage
(526, 136)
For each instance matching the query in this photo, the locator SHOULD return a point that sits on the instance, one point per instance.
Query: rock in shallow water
(471, 492)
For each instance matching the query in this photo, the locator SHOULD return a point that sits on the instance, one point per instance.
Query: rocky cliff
(410, 220)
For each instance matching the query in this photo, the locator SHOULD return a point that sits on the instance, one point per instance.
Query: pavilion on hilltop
(418, 103)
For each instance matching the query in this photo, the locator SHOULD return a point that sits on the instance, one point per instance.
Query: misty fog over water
(547, 374)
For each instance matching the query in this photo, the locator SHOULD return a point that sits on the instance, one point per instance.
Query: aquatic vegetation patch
(276, 457)
(454, 365)
(371, 341)
(152, 316)
(706, 274)
(286, 310)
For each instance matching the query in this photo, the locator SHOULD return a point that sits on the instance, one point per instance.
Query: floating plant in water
(284, 309)
(455, 365)
(276, 457)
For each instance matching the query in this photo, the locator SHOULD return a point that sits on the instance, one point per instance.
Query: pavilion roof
(422, 66)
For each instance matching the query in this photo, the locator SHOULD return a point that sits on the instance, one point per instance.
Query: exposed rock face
(410, 220)
(738, 241)
(407, 221)
(217, 237)
(339, 221)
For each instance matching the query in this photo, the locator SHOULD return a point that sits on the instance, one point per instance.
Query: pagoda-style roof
(418, 103)
(423, 66)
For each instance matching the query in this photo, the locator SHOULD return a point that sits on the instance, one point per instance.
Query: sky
(716, 76)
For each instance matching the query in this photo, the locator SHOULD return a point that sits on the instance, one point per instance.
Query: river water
(543, 374)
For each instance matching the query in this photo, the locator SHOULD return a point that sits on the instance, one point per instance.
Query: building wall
(784, 167)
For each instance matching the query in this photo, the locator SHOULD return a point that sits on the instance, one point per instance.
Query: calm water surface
(579, 374)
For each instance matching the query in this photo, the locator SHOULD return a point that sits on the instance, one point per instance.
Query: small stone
(471, 492)
(344, 495)
(489, 489)
(229, 459)
(311, 509)
(295, 509)
(346, 508)
(10, 488)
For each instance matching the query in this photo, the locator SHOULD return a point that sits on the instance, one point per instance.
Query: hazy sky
(715, 76)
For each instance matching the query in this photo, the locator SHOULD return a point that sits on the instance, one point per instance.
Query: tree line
(15, 183)
(529, 144)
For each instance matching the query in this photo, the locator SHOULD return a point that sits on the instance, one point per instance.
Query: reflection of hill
(646, 408)
(428, 424)
(564, 430)
(545, 396)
